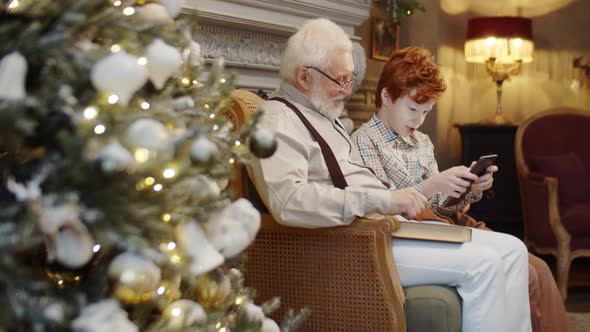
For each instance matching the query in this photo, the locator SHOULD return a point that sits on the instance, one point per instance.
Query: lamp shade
(504, 38)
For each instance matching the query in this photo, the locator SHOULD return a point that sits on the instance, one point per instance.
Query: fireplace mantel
(251, 34)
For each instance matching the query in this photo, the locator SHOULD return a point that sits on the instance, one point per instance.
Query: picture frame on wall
(385, 38)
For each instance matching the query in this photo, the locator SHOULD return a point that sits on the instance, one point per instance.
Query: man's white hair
(311, 45)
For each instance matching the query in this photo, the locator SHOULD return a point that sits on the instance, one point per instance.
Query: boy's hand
(407, 202)
(451, 182)
(485, 181)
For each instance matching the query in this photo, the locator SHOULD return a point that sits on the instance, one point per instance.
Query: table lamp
(503, 44)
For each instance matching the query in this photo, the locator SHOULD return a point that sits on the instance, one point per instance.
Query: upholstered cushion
(433, 308)
(573, 180)
(576, 219)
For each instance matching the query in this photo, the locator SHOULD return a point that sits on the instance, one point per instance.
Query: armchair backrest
(553, 132)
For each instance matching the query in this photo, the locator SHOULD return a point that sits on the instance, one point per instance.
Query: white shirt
(295, 183)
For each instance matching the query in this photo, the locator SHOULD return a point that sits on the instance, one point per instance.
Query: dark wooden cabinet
(500, 206)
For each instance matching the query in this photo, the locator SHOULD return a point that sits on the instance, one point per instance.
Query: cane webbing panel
(337, 275)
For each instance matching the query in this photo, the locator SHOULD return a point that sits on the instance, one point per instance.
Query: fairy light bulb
(142, 61)
(99, 129)
(141, 155)
(149, 180)
(128, 11)
(171, 245)
(169, 173)
(90, 112)
(158, 187)
(161, 290)
(145, 105)
(115, 48)
(166, 217)
(117, 3)
(13, 4)
(96, 248)
(113, 99)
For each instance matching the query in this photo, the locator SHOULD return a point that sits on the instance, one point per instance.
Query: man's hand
(451, 182)
(485, 181)
(407, 202)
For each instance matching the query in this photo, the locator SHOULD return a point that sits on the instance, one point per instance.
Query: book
(432, 231)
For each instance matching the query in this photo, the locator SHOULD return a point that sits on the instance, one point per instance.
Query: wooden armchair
(345, 275)
(553, 162)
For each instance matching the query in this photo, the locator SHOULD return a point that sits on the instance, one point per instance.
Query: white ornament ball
(119, 73)
(114, 157)
(269, 325)
(163, 61)
(139, 272)
(172, 6)
(182, 313)
(234, 228)
(151, 135)
(253, 312)
(203, 151)
(154, 13)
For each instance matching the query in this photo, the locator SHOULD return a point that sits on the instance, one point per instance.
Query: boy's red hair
(407, 69)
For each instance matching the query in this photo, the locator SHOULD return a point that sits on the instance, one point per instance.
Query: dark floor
(578, 298)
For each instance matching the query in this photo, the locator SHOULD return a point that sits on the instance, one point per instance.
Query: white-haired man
(316, 179)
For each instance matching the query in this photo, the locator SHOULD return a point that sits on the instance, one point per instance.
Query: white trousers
(490, 274)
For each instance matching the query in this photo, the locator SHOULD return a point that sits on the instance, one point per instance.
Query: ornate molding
(241, 48)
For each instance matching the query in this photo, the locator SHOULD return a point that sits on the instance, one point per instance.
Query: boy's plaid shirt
(402, 161)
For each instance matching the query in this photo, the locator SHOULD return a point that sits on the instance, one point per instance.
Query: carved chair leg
(563, 268)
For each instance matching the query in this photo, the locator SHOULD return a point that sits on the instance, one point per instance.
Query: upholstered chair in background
(345, 275)
(553, 165)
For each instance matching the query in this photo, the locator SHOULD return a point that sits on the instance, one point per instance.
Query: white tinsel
(232, 229)
(13, 72)
(103, 316)
(192, 240)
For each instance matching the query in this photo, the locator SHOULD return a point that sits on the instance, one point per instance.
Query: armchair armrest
(541, 209)
(345, 275)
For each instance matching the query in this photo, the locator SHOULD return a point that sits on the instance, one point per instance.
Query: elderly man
(316, 179)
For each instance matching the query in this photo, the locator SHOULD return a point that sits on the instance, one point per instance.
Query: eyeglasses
(343, 85)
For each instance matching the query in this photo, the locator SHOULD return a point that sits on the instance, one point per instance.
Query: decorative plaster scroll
(241, 48)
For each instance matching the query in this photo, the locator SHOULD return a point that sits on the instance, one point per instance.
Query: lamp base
(498, 119)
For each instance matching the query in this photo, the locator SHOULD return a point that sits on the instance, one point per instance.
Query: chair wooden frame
(357, 289)
(548, 186)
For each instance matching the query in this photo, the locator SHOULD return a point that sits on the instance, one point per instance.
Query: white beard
(330, 108)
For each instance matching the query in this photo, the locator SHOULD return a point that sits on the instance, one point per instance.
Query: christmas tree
(115, 213)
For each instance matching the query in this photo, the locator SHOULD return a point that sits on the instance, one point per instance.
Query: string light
(222, 81)
(222, 329)
(99, 129)
(113, 99)
(238, 143)
(239, 300)
(166, 217)
(175, 259)
(206, 106)
(185, 81)
(195, 82)
(169, 173)
(115, 48)
(141, 155)
(211, 116)
(61, 282)
(218, 325)
(128, 11)
(96, 248)
(142, 61)
(216, 127)
(117, 3)
(158, 187)
(171, 245)
(90, 112)
(145, 105)
(176, 312)
(13, 4)
(149, 180)
(231, 160)
(161, 290)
